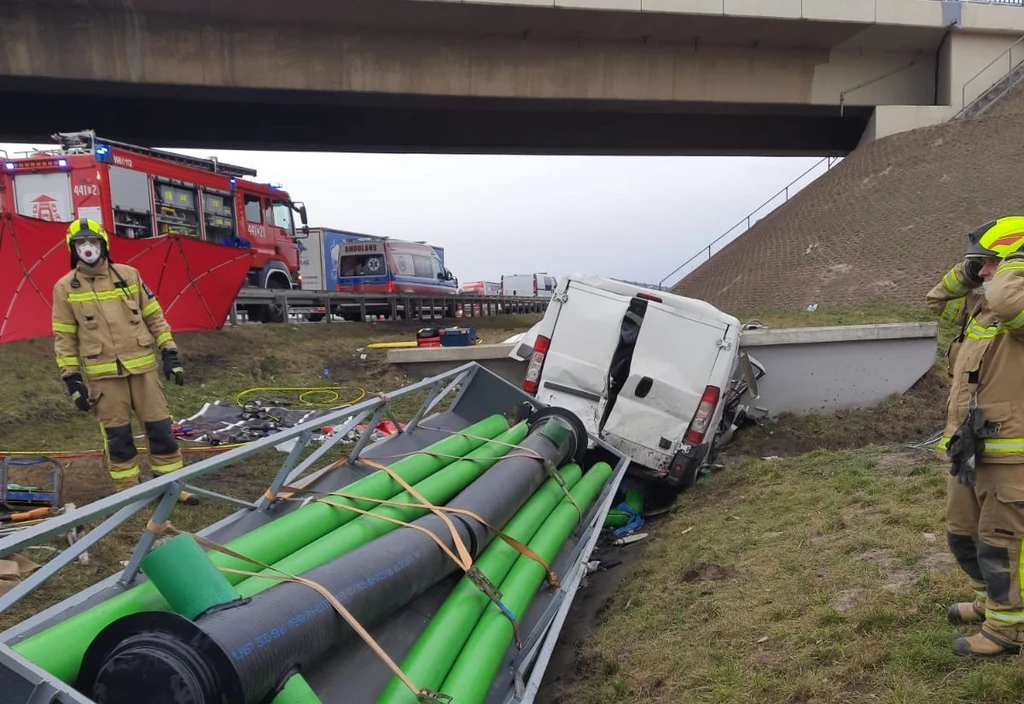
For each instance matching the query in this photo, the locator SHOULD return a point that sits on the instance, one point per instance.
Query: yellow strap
(465, 560)
(517, 545)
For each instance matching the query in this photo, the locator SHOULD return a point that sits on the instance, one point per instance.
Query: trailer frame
(477, 393)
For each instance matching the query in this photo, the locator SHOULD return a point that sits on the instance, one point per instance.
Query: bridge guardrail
(393, 306)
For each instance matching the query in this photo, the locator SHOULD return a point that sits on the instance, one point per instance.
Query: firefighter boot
(966, 612)
(991, 641)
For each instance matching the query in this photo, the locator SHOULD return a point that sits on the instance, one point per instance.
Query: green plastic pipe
(186, 577)
(296, 691)
(59, 648)
(473, 673)
(437, 647)
(617, 518)
(438, 489)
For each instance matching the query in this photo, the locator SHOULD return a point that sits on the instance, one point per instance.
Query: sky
(631, 218)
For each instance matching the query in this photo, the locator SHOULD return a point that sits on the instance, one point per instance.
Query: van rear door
(575, 373)
(673, 362)
(362, 267)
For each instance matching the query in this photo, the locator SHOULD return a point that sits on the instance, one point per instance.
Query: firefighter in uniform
(105, 324)
(984, 433)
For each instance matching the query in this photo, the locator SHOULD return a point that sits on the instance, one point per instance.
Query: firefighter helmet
(85, 227)
(996, 238)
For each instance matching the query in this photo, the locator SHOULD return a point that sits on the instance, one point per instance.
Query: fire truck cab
(138, 193)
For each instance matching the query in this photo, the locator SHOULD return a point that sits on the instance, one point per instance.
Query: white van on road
(656, 375)
(538, 285)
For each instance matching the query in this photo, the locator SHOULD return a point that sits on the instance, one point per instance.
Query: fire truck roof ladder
(87, 140)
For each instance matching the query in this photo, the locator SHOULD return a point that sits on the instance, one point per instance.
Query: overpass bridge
(753, 77)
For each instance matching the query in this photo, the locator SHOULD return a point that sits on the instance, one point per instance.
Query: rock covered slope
(880, 227)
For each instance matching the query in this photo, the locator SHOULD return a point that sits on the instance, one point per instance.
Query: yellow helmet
(84, 227)
(997, 238)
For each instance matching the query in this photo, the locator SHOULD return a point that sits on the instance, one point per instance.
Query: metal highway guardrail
(355, 306)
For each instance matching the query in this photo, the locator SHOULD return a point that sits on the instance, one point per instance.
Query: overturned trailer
(410, 570)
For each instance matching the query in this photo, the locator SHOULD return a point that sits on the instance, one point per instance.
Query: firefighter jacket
(989, 356)
(106, 321)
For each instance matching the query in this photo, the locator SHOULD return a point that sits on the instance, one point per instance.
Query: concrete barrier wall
(827, 369)
(809, 370)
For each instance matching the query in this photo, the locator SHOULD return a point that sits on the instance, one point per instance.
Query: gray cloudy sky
(633, 218)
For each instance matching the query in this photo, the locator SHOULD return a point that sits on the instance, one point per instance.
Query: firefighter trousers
(113, 401)
(985, 530)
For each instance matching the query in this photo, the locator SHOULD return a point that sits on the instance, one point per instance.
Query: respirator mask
(89, 251)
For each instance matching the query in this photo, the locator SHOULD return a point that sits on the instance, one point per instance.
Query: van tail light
(534, 285)
(540, 351)
(648, 297)
(390, 287)
(702, 418)
(337, 287)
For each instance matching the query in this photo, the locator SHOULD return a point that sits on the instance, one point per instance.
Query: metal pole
(162, 513)
(300, 444)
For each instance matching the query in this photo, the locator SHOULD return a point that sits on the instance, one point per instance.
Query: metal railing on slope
(750, 219)
(1001, 74)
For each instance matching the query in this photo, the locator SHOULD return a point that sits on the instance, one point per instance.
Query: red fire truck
(138, 193)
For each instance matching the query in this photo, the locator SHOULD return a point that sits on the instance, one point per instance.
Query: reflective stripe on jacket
(993, 348)
(108, 324)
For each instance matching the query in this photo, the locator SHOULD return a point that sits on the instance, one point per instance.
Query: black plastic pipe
(244, 654)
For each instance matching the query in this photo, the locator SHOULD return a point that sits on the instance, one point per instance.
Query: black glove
(172, 365)
(972, 267)
(77, 390)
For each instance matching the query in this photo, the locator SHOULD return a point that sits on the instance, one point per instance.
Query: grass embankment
(820, 576)
(37, 415)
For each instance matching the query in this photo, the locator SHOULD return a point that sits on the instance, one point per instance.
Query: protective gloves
(76, 389)
(972, 267)
(172, 365)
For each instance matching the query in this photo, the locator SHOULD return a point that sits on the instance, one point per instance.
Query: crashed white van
(658, 376)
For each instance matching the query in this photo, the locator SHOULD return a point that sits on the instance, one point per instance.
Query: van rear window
(362, 265)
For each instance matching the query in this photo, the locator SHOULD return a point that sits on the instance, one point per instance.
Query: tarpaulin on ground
(225, 423)
(196, 282)
(220, 423)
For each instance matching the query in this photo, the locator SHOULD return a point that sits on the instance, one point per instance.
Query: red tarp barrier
(196, 282)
